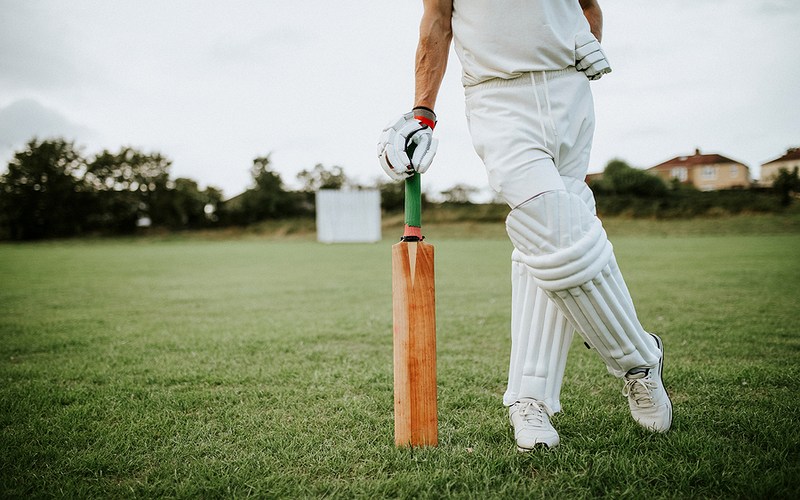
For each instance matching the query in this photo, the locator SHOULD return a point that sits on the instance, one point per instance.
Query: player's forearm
(593, 14)
(435, 34)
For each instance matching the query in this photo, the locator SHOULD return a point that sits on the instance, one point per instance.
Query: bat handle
(413, 208)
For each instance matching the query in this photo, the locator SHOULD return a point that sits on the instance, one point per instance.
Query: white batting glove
(589, 56)
(411, 133)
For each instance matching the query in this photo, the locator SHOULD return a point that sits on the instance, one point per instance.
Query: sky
(213, 85)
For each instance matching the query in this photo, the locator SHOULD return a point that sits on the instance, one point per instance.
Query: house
(706, 172)
(769, 171)
(595, 177)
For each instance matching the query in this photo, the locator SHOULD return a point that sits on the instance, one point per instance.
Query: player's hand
(589, 56)
(411, 133)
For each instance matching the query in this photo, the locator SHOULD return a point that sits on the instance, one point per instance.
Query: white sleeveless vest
(506, 38)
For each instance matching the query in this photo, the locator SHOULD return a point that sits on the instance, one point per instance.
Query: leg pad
(540, 340)
(568, 253)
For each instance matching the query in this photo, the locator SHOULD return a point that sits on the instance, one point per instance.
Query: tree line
(51, 189)
(628, 191)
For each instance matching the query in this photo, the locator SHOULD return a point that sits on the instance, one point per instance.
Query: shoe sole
(537, 446)
(660, 345)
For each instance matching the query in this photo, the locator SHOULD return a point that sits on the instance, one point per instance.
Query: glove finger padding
(387, 165)
(589, 56)
(392, 149)
(423, 155)
(590, 60)
(585, 44)
(598, 70)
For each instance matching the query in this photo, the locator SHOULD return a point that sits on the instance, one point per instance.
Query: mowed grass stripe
(232, 368)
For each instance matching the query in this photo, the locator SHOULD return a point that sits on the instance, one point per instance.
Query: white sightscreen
(348, 216)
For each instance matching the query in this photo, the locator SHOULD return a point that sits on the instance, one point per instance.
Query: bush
(688, 203)
(619, 178)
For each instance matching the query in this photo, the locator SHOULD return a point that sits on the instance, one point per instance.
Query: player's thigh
(574, 118)
(507, 134)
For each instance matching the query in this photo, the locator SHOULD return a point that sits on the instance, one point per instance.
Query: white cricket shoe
(531, 421)
(647, 397)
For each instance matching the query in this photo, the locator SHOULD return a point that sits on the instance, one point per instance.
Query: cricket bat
(414, 336)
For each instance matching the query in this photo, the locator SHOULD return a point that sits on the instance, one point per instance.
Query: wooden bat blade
(414, 316)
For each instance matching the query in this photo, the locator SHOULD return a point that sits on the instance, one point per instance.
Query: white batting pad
(564, 244)
(602, 311)
(582, 190)
(540, 340)
(567, 251)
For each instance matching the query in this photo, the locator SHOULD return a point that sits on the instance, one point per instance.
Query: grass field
(202, 368)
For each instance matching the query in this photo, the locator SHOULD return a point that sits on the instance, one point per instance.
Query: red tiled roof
(791, 154)
(694, 160)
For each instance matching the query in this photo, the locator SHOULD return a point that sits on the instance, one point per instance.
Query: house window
(680, 173)
(709, 172)
(734, 170)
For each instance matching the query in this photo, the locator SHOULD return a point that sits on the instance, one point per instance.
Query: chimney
(696, 151)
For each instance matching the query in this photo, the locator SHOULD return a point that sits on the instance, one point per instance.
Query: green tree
(42, 194)
(393, 195)
(129, 185)
(621, 178)
(786, 184)
(189, 207)
(321, 178)
(266, 199)
(460, 193)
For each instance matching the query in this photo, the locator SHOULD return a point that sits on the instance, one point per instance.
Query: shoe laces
(640, 390)
(532, 412)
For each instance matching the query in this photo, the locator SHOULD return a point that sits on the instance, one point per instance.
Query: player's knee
(580, 188)
(559, 238)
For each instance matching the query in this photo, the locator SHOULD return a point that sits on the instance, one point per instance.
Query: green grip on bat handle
(413, 201)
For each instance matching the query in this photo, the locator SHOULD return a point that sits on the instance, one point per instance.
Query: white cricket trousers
(534, 135)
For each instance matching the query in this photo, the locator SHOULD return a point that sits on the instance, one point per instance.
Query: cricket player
(526, 70)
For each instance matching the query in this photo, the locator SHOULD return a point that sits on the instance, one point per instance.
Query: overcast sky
(213, 84)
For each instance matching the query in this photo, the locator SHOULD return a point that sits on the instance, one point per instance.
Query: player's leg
(516, 150)
(540, 341)
(573, 117)
(567, 251)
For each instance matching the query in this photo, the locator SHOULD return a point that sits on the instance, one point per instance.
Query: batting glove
(589, 56)
(411, 133)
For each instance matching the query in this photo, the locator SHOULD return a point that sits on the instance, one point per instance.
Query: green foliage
(51, 190)
(392, 196)
(688, 203)
(266, 199)
(460, 193)
(190, 207)
(619, 178)
(321, 178)
(786, 184)
(43, 194)
(128, 186)
(627, 191)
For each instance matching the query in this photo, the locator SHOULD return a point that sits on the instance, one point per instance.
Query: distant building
(769, 171)
(590, 178)
(706, 172)
(348, 216)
